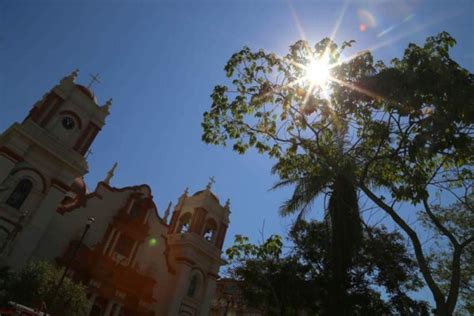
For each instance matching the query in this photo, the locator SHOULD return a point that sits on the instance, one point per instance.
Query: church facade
(133, 260)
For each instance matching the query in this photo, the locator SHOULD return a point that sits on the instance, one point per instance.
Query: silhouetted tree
(408, 129)
(345, 227)
(301, 280)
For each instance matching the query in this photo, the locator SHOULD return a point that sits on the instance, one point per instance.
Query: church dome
(87, 92)
(212, 194)
(79, 186)
(74, 198)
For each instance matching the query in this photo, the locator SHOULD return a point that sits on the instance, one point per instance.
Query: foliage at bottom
(35, 286)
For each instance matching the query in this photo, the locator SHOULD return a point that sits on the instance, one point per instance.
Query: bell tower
(195, 239)
(40, 158)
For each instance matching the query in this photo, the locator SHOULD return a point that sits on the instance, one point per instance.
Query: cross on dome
(94, 78)
(212, 180)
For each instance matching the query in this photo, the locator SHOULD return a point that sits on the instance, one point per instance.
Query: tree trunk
(442, 310)
(346, 237)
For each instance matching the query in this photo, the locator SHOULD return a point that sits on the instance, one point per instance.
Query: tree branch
(439, 225)
(423, 264)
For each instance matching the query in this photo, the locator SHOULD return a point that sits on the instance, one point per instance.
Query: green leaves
(405, 116)
(283, 284)
(242, 248)
(35, 284)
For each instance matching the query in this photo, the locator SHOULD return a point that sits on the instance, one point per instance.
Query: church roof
(87, 92)
(212, 194)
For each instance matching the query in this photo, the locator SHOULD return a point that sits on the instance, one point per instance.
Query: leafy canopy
(406, 125)
(283, 284)
(399, 131)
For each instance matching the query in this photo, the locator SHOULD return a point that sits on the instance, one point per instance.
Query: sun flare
(317, 72)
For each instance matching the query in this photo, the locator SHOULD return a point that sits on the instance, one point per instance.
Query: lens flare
(317, 72)
(366, 18)
(152, 242)
(393, 27)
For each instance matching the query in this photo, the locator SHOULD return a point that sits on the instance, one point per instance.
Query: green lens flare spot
(152, 242)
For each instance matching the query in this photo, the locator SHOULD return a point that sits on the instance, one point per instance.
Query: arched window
(20, 193)
(184, 223)
(193, 285)
(210, 230)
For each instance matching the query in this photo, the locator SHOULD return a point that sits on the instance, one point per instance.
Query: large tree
(406, 129)
(378, 278)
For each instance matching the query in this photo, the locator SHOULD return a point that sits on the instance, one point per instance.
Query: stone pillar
(109, 307)
(132, 253)
(174, 222)
(135, 258)
(208, 295)
(221, 236)
(198, 220)
(117, 235)
(180, 289)
(109, 240)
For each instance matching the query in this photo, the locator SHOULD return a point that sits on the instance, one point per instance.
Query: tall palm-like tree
(342, 216)
(346, 237)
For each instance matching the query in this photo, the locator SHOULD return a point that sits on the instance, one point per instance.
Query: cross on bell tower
(212, 180)
(94, 78)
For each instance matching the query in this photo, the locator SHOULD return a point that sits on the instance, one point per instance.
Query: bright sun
(318, 71)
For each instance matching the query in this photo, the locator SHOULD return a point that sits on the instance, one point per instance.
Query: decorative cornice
(185, 260)
(47, 142)
(60, 185)
(10, 154)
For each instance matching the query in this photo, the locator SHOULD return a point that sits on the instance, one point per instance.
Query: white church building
(133, 260)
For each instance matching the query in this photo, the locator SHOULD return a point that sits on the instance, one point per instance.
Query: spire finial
(72, 76)
(182, 198)
(108, 104)
(110, 173)
(167, 212)
(212, 180)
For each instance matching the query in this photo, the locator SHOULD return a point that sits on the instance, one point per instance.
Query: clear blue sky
(159, 60)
